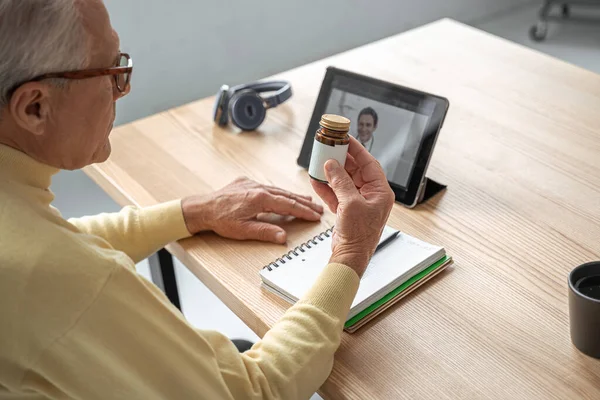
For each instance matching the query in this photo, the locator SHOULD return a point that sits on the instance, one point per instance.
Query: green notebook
(396, 295)
(396, 268)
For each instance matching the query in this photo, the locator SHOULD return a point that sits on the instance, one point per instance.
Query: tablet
(399, 126)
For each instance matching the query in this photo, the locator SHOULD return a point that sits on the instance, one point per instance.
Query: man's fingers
(278, 189)
(326, 194)
(255, 230)
(351, 165)
(305, 200)
(285, 206)
(358, 152)
(369, 166)
(340, 181)
(355, 172)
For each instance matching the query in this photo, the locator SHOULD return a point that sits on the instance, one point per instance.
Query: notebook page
(295, 277)
(395, 262)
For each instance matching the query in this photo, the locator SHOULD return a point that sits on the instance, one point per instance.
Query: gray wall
(184, 50)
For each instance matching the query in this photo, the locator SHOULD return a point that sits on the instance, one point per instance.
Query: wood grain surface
(520, 152)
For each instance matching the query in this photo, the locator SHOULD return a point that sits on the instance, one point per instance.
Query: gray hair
(39, 37)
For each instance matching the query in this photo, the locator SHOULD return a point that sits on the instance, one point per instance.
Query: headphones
(246, 106)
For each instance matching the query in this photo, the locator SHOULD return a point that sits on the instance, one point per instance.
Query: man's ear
(30, 107)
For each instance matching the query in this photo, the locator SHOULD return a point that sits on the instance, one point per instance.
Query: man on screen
(367, 124)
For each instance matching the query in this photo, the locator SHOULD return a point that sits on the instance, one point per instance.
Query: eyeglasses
(121, 72)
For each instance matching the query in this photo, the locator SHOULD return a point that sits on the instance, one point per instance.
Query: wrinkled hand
(232, 211)
(362, 198)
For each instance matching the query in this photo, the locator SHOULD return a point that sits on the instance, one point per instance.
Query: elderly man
(77, 321)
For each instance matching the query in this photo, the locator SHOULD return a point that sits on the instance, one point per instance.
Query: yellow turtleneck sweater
(77, 322)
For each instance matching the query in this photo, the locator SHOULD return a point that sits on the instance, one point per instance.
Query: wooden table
(520, 152)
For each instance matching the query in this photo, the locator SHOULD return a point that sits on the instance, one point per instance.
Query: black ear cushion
(247, 110)
(224, 120)
(221, 107)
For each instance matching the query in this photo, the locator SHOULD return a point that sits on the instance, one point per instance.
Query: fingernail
(316, 215)
(331, 165)
(280, 237)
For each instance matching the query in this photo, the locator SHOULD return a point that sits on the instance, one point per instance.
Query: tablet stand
(431, 189)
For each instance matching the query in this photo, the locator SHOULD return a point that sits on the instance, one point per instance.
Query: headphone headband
(282, 89)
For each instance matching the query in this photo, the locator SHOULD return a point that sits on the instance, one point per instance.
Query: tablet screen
(398, 125)
(391, 133)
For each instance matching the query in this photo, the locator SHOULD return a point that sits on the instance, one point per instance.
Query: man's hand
(231, 212)
(362, 199)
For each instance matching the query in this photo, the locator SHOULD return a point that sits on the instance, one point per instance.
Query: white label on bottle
(321, 153)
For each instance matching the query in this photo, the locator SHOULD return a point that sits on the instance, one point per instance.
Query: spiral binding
(299, 249)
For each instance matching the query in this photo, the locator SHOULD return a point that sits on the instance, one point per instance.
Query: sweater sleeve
(138, 232)
(132, 344)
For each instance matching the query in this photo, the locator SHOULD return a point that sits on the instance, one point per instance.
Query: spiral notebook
(396, 270)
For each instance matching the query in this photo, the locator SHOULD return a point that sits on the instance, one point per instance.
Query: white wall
(184, 50)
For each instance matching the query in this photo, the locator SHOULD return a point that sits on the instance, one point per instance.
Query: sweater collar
(20, 167)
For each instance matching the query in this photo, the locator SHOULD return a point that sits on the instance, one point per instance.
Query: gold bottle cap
(335, 122)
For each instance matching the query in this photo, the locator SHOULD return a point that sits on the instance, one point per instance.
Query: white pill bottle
(331, 143)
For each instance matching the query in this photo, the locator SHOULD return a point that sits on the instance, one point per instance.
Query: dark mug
(584, 308)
